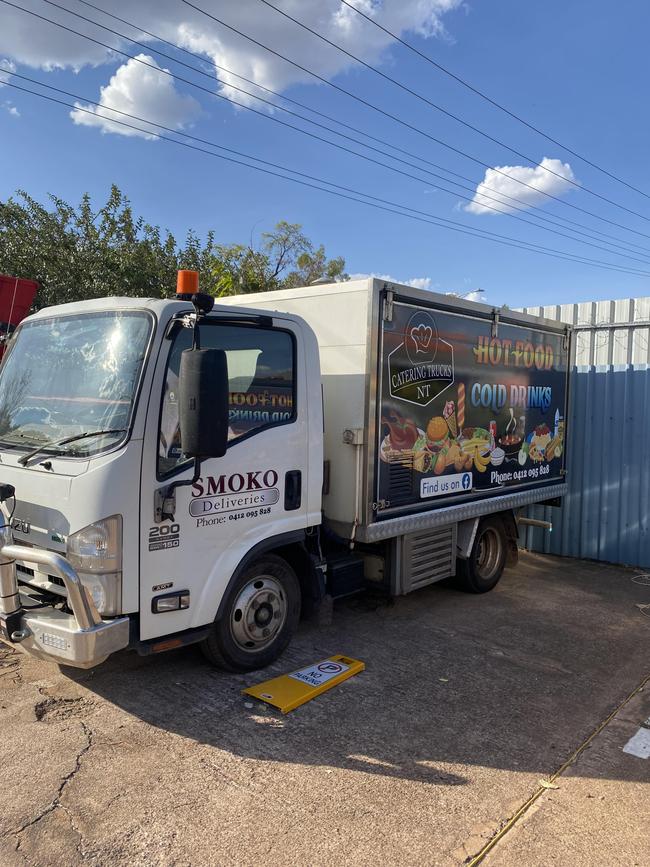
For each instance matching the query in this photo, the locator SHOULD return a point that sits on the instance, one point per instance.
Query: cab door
(255, 492)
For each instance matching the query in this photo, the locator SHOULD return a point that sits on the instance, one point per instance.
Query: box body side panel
(461, 405)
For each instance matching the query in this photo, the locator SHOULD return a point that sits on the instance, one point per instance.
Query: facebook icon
(467, 481)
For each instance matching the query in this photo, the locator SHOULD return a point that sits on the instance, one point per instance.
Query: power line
(356, 196)
(500, 200)
(487, 98)
(277, 120)
(363, 133)
(445, 111)
(291, 126)
(213, 144)
(402, 122)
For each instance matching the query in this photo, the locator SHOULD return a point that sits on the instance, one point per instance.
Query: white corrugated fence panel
(606, 514)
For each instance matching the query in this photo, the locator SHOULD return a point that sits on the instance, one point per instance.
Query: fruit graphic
(482, 459)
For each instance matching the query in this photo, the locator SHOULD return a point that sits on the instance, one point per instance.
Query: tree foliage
(78, 252)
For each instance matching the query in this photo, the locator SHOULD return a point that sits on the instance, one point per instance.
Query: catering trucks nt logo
(422, 366)
(216, 499)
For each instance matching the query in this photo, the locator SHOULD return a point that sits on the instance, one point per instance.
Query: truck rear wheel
(259, 617)
(484, 566)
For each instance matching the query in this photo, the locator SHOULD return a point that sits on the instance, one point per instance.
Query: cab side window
(262, 384)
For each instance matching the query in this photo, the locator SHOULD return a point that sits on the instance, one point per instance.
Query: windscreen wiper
(55, 443)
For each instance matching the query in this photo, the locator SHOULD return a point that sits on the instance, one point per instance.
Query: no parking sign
(289, 691)
(315, 675)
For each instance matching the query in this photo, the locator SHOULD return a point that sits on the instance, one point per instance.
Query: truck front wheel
(484, 566)
(259, 617)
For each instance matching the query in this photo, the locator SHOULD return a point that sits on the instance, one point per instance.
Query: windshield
(72, 375)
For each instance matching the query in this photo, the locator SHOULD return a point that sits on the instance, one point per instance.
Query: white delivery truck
(175, 472)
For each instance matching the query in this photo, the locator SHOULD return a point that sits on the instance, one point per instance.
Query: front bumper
(80, 639)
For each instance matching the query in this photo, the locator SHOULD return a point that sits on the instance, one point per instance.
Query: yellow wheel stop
(289, 691)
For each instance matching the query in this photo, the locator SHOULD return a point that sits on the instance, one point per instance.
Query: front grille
(29, 573)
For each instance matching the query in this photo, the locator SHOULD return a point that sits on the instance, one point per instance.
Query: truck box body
(436, 409)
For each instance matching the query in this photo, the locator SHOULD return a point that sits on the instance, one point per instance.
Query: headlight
(98, 547)
(96, 554)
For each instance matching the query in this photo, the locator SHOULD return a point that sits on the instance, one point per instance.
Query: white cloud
(6, 68)
(36, 43)
(424, 283)
(542, 181)
(420, 282)
(474, 295)
(328, 17)
(141, 91)
(415, 282)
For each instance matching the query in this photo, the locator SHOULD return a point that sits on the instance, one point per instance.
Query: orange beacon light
(187, 284)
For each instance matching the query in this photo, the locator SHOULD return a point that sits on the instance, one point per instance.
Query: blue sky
(573, 70)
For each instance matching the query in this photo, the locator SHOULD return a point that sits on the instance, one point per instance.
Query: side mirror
(203, 393)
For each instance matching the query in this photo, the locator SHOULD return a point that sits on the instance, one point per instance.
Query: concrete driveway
(466, 704)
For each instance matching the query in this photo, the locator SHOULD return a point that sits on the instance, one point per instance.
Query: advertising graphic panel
(465, 411)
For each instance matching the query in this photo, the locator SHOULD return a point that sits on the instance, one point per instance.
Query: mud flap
(512, 537)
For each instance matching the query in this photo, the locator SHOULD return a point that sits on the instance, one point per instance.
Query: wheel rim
(258, 613)
(488, 555)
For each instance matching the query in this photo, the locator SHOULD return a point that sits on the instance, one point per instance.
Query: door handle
(292, 490)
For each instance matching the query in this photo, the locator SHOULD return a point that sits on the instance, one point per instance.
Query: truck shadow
(515, 679)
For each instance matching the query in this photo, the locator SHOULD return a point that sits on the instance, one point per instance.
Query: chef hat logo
(421, 337)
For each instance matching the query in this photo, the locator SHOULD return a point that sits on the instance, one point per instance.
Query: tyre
(259, 617)
(484, 566)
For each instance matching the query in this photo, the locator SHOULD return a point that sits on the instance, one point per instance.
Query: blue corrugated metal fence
(606, 515)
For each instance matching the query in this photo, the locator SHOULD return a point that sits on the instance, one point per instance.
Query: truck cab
(113, 535)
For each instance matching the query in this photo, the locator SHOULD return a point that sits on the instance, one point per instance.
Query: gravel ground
(466, 703)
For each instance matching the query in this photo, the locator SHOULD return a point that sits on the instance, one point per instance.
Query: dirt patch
(60, 709)
(9, 667)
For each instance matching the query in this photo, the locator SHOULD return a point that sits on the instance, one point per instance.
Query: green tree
(286, 259)
(77, 252)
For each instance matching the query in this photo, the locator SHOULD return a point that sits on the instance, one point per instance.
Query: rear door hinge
(388, 305)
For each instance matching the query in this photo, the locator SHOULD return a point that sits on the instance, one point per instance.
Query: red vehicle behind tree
(16, 298)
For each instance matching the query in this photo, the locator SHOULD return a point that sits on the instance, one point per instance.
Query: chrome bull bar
(80, 639)
(79, 599)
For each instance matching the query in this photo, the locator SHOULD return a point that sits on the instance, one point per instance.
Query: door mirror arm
(164, 505)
